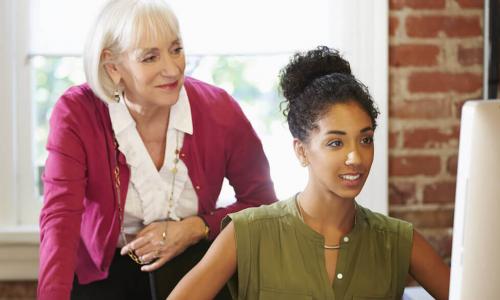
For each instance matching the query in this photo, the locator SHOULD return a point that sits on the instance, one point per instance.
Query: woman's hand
(159, 242)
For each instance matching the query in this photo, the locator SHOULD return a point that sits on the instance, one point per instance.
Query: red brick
(452, 26)
(413, 55)
(440, 192)
(470, 56)
(18, 290)
(428, 26)
(401, 192)
(426, 138)
(417, 4)
(432, 82)
(414, 165)
(471, 3)
(438, 218)
(421, 109)
(393, 139)
(396, 4)
(393, 25)
(452, 164)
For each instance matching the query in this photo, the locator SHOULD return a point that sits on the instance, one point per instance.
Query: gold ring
(163, 238)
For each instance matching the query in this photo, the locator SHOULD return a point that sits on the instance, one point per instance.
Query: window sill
(19, 253)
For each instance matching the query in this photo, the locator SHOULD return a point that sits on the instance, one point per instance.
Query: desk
(416, 293)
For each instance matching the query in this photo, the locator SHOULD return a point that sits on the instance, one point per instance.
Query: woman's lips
(351, 180)
(168, 86)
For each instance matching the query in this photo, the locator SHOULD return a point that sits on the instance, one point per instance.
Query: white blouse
(149, 189)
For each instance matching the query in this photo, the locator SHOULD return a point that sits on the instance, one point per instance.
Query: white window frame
(367, 20)
(368, 54)
(18, 211)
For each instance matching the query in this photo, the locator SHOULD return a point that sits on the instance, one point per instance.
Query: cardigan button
(197, 187)
(183, 154)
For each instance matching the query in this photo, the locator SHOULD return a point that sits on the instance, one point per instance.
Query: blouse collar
(180, 115)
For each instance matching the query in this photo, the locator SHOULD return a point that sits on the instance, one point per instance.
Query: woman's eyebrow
(340, 132)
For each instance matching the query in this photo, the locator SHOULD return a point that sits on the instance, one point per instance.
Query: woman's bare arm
(427, 267)
(215, 268)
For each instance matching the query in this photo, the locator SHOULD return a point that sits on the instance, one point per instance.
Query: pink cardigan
(79, 225)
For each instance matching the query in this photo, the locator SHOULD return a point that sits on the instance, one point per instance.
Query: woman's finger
(155, 265)
(152, 255)
(134, 245)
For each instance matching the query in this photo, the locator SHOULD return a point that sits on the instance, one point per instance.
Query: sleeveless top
(280, 257)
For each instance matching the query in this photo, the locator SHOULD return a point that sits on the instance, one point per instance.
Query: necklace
(325, 246)
(170, 204)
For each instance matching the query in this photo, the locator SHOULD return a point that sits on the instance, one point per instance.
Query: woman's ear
(300, 152)
(111, 67)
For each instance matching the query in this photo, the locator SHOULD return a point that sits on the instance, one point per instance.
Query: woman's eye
(334, 144)
(178, 50)
(149, 59)
(367, 140)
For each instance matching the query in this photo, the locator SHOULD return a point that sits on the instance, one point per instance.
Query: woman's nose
(170, 66)
(352, 158)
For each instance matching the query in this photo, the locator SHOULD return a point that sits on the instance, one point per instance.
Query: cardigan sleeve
(247, 170)
(64, 181)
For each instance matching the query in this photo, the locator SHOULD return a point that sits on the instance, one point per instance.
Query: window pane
(51, 76)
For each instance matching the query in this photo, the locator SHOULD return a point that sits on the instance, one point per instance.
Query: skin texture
(151, 77)
(341, 144)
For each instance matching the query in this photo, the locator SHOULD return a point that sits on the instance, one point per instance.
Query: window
(248, 42)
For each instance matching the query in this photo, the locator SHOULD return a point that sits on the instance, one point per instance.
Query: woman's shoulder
(203, 91)
(380, 222)
(78, 108)
(77, 98)
(265, 213)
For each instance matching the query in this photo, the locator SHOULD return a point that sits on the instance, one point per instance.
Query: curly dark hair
(315, 80)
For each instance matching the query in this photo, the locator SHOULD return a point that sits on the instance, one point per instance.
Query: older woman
(136, 160)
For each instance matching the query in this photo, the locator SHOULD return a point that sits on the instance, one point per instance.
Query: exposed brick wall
(435, 57)
(18, 290)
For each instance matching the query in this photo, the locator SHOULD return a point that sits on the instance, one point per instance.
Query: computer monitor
(475, 259)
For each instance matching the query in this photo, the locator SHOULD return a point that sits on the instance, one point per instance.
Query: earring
(304, 163)
(116, 95)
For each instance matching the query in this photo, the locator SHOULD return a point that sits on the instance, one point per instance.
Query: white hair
(123, 25)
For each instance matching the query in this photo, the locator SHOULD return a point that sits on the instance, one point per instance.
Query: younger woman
(320, 244)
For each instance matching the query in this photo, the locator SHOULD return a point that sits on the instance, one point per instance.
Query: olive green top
(280, 257)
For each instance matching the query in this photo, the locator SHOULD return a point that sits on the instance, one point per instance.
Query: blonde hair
(123, 25)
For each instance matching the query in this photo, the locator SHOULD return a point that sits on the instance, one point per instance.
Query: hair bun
(304, 68)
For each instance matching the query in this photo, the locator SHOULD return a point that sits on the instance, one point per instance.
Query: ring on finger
(163, 238)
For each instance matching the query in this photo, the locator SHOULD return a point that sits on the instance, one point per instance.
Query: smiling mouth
(350, 177)
(168, 85)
